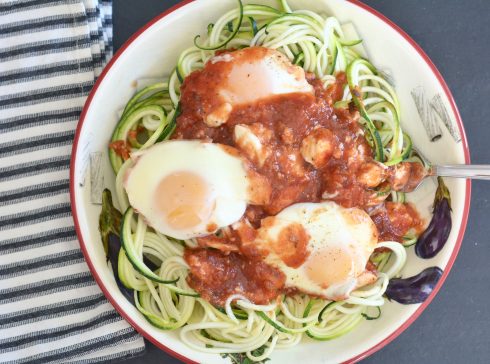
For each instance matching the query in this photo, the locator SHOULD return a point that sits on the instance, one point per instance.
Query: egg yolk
(184, 199)
(329, 266)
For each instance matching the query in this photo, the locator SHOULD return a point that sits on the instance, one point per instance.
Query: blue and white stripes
(51, 309)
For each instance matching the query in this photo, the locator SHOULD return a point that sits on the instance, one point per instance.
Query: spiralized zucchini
(316, 43)
(240, 326)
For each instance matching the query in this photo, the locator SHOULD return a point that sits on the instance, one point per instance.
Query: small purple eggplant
(114, 246)
(435, 236)
(414, 289)
(109, 225)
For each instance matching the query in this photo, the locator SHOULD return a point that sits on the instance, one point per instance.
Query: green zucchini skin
(137, 261)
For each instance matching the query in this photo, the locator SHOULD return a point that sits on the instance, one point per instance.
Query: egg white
(256, 73)
(223, 173)
(328, 226)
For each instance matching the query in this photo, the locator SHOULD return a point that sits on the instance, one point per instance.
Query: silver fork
(472, 171)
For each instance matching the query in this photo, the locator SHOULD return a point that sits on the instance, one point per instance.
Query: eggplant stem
(442, 192)
(109, 219)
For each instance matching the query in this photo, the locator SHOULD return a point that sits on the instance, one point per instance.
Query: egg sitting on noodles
(322, 248)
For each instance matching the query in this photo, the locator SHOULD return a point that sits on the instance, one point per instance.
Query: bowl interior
(153, 54)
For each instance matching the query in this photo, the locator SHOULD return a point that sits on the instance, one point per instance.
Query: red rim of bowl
(379, 345)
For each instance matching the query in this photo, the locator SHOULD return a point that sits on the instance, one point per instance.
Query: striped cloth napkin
(51, 309)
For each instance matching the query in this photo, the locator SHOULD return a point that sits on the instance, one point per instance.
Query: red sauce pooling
(217, 276)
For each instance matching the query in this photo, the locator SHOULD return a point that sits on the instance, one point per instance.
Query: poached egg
(187, 188)
(249, 75)
(322, 248)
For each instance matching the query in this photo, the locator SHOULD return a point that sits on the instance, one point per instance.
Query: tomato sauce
(217, 276)
(121, 148)
(292, 245)
(311, 151)
(395, 220)
(290, 118)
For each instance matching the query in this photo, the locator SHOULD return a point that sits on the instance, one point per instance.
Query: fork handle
(473, 171)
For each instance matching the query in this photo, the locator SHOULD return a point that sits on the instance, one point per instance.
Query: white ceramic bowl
(153, 52)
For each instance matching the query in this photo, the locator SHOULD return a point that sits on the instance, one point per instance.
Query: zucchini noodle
(162, 295)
